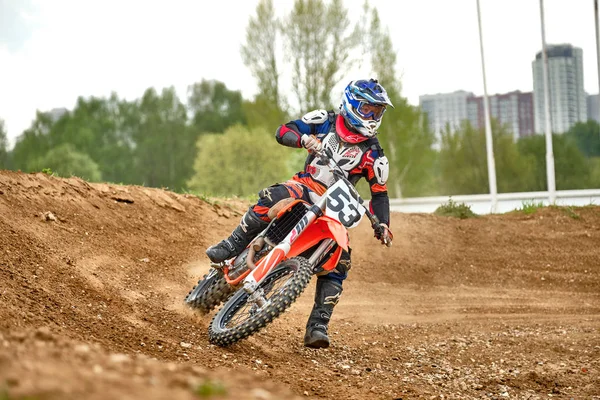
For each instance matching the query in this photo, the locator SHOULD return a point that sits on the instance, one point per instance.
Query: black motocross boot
(326, 297)
(249, 227)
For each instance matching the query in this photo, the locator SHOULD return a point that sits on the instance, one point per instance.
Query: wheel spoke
(241, 316)
(245, 312)
(277, 287)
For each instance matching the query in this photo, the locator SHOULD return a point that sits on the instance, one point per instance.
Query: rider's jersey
(364, 159)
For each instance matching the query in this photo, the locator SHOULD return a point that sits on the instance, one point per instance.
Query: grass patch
(231, 203)
(207, 199)
(203, 196)
(454, 209)
(47, 171)
(530, 206)
(568, 210)
(4, 395)
(210, 388)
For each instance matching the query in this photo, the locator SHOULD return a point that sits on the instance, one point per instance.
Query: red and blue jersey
(356, 154)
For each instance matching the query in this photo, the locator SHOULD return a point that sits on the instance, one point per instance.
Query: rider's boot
(249, 227)
(326, 297)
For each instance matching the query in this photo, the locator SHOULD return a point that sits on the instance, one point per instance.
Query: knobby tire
(210, 292)
(301, 272)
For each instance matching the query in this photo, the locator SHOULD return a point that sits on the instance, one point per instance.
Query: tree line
(218, 143)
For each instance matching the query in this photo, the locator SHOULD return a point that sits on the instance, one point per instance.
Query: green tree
(320, 42)
(594, 172)
(463, 161)
(403, 132)
(587, 137)
(127, 116)
(533, 148)
(378, 43)
(163, 151)
(265, 115)
(214, 107)
(243, 170)
(96, 127)
(65, 161)
(262, 113)
(259, 51)
(572, 169)
(33, 143)
(259, 55)
(4, 154)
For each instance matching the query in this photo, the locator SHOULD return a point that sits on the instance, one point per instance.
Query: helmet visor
(371, 111)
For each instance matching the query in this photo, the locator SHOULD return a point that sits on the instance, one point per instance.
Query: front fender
(323, 227)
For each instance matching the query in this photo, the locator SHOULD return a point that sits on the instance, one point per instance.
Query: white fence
(482, 203)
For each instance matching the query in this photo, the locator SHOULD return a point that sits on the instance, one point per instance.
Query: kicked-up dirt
(93, 276)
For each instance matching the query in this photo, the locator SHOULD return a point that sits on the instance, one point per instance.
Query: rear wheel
(210, 291)
(243, 316)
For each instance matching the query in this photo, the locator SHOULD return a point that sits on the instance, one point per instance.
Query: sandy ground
(91, 304)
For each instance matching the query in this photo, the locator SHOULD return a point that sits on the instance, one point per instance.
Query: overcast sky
(52, 51)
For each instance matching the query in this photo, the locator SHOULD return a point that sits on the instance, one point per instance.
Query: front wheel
(241, 317)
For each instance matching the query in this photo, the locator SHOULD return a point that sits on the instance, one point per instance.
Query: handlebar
(338, 174)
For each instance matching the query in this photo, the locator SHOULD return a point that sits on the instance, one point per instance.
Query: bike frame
(308, 232)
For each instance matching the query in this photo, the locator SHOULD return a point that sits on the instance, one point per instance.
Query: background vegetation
(218, 143)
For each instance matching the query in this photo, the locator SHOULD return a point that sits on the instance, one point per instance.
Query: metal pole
(489, 145)
(597, 51)
(549, 153)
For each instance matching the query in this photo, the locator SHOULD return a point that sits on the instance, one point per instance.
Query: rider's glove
(311, 143)
(384, 234)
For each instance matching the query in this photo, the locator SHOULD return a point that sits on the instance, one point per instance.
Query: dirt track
(503, 306)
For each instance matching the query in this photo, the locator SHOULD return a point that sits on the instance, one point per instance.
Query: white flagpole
(550, 177)
(489, 145)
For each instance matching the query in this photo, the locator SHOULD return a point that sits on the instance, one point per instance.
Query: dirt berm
(93, 276)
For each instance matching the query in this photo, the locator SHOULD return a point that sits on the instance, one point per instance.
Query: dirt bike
(301, 240)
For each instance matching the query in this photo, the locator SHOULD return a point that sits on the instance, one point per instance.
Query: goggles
(371, 111)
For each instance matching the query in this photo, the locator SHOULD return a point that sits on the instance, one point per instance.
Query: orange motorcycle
(301, 240)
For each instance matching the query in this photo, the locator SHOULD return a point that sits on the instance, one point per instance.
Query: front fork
(320, 252)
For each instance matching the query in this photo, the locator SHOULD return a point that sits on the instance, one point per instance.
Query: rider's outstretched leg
(254, 221)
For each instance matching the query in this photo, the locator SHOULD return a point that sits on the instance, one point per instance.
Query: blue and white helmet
(363, 105)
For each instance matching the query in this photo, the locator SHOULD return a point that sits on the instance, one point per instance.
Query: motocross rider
(351, 136)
